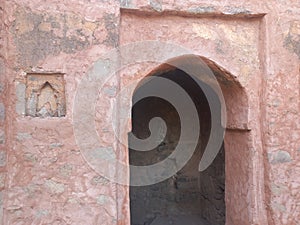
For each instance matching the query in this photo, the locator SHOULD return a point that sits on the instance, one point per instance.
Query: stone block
(54, 187)
(2, 158)
(45, 95)
(2, 137)
(20, 104)
(2, 111)
(279, 157)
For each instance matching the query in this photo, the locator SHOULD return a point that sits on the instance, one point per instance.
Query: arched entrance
(191, 197)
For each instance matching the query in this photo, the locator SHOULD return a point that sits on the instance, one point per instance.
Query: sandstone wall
(44, 178)
(48, 180)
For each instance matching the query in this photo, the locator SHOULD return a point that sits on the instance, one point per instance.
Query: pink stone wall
(48, 181)
(3, 108)
(44, 178)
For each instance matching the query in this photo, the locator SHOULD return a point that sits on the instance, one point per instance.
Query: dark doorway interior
(189, 197)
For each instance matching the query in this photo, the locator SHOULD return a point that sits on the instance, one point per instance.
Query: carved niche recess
(45, 95)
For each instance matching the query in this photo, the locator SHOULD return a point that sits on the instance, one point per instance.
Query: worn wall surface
(3, 106)
(49, 181)
(44, 179)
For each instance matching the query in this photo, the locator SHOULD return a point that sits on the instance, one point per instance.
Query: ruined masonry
(72, 73)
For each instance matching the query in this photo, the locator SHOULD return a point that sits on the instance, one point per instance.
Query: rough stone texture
(48, 181)
(256, 41)
(23, 136)
(2, 111)
(20, 94)
(203, 37)
(2, 180)
(292, 39)
(49, 34)
(45, 95)
(2, 158)
(55, 187)
(4, 105)
(279, 157)
(2, 137)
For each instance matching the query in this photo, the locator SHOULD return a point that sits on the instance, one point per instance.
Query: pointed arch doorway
(190, 196)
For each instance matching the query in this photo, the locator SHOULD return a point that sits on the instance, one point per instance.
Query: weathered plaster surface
(3, 108)
(43, 177)
(48, 181)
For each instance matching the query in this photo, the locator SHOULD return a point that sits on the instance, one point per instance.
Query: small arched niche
(47, 101)
(45, 95)
(189, 196)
